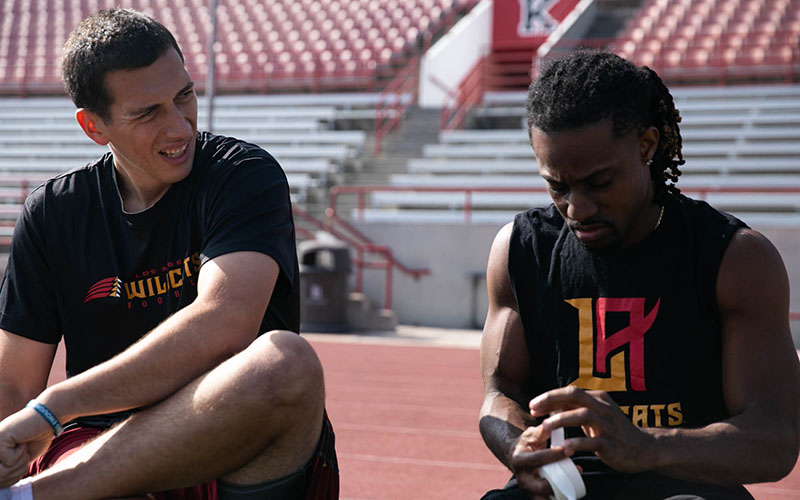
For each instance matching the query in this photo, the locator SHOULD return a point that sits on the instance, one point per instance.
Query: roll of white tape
(563, 476)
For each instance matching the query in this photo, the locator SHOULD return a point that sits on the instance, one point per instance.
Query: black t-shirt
(83, 269)
(641, 324)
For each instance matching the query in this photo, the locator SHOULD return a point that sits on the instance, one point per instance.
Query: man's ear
(648, 143)
(88, 122)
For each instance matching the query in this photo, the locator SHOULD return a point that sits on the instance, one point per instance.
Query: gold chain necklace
(660, 215)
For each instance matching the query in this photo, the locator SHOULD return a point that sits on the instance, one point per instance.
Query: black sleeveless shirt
(641, 324)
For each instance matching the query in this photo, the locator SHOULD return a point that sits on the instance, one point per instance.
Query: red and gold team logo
(151, 285)
(108, 287)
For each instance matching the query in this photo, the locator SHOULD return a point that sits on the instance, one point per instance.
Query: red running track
(406, 421)
(406, 427)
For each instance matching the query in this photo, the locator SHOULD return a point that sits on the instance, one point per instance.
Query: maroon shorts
(319, 478)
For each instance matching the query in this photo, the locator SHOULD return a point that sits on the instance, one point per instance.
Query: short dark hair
(589, 86)
(110, 40)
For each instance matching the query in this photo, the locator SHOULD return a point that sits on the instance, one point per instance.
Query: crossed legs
(255, 417)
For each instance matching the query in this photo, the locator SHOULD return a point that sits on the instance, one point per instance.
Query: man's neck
(135, 198)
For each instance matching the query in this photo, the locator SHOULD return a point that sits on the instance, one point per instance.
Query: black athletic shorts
(637, 487)
(317, 480)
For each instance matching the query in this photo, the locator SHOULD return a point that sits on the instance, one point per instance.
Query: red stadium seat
(745, 33)
(249, 32)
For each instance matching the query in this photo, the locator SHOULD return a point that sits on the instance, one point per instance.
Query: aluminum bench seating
(343, 100)
(487, 166)
(34, 165)
(83, 152)
(498, 151)
(27, 179)
(751, 202)
(10, 211)
(733, 92)
(691, 149)
(763, 149)
(14, 188)
(483, 136)
(466, 180)
(514, 104)
(520, 136)
(300, 184)
(680, 93)
(742, 166)
(347, 105)
(221, 126)
(337, 152)
(705, 120)
(91, 151)
(15, 194)
(500, 180)
(408, 199)
(354, 138)
(699, 165)
(500, 217)
(327, 113)
(740, 106)
(38, 170)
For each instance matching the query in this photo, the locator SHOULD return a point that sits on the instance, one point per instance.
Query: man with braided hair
(649, 326)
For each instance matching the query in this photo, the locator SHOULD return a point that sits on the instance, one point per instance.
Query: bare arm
(505, 422)
(761, 379)
(761, 376)
(233, 291)
(504, 413)
(24, 367)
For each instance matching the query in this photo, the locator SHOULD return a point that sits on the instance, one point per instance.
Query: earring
(649, 162)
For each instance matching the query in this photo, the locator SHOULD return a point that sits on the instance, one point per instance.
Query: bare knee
(285, 366)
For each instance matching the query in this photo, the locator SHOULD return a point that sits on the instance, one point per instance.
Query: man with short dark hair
(650, 326)
(169, 268)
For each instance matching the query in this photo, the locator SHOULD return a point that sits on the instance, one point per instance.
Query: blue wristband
(47, 415)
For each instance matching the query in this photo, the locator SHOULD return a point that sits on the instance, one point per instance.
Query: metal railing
(461, 99)
(361, 193)
(393, 103)
(363, 246)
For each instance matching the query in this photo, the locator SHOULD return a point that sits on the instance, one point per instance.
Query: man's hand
(609, 433)
(530, 452)
(23, 437)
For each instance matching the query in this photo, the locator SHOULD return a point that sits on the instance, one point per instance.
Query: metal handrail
(392, 104)
(362, 246)
(466, 95)
(362, 191)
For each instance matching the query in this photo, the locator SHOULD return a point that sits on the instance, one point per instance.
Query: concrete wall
(449, 60)
(456, 253)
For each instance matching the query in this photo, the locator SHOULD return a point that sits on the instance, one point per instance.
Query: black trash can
(324, 270)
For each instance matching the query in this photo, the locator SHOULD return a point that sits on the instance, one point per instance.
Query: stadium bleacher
(734, 139)
(715, 39)
(282, 44)
(40, 137)
(279, 63)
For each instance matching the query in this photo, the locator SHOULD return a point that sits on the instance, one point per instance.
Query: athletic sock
(21, 490)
